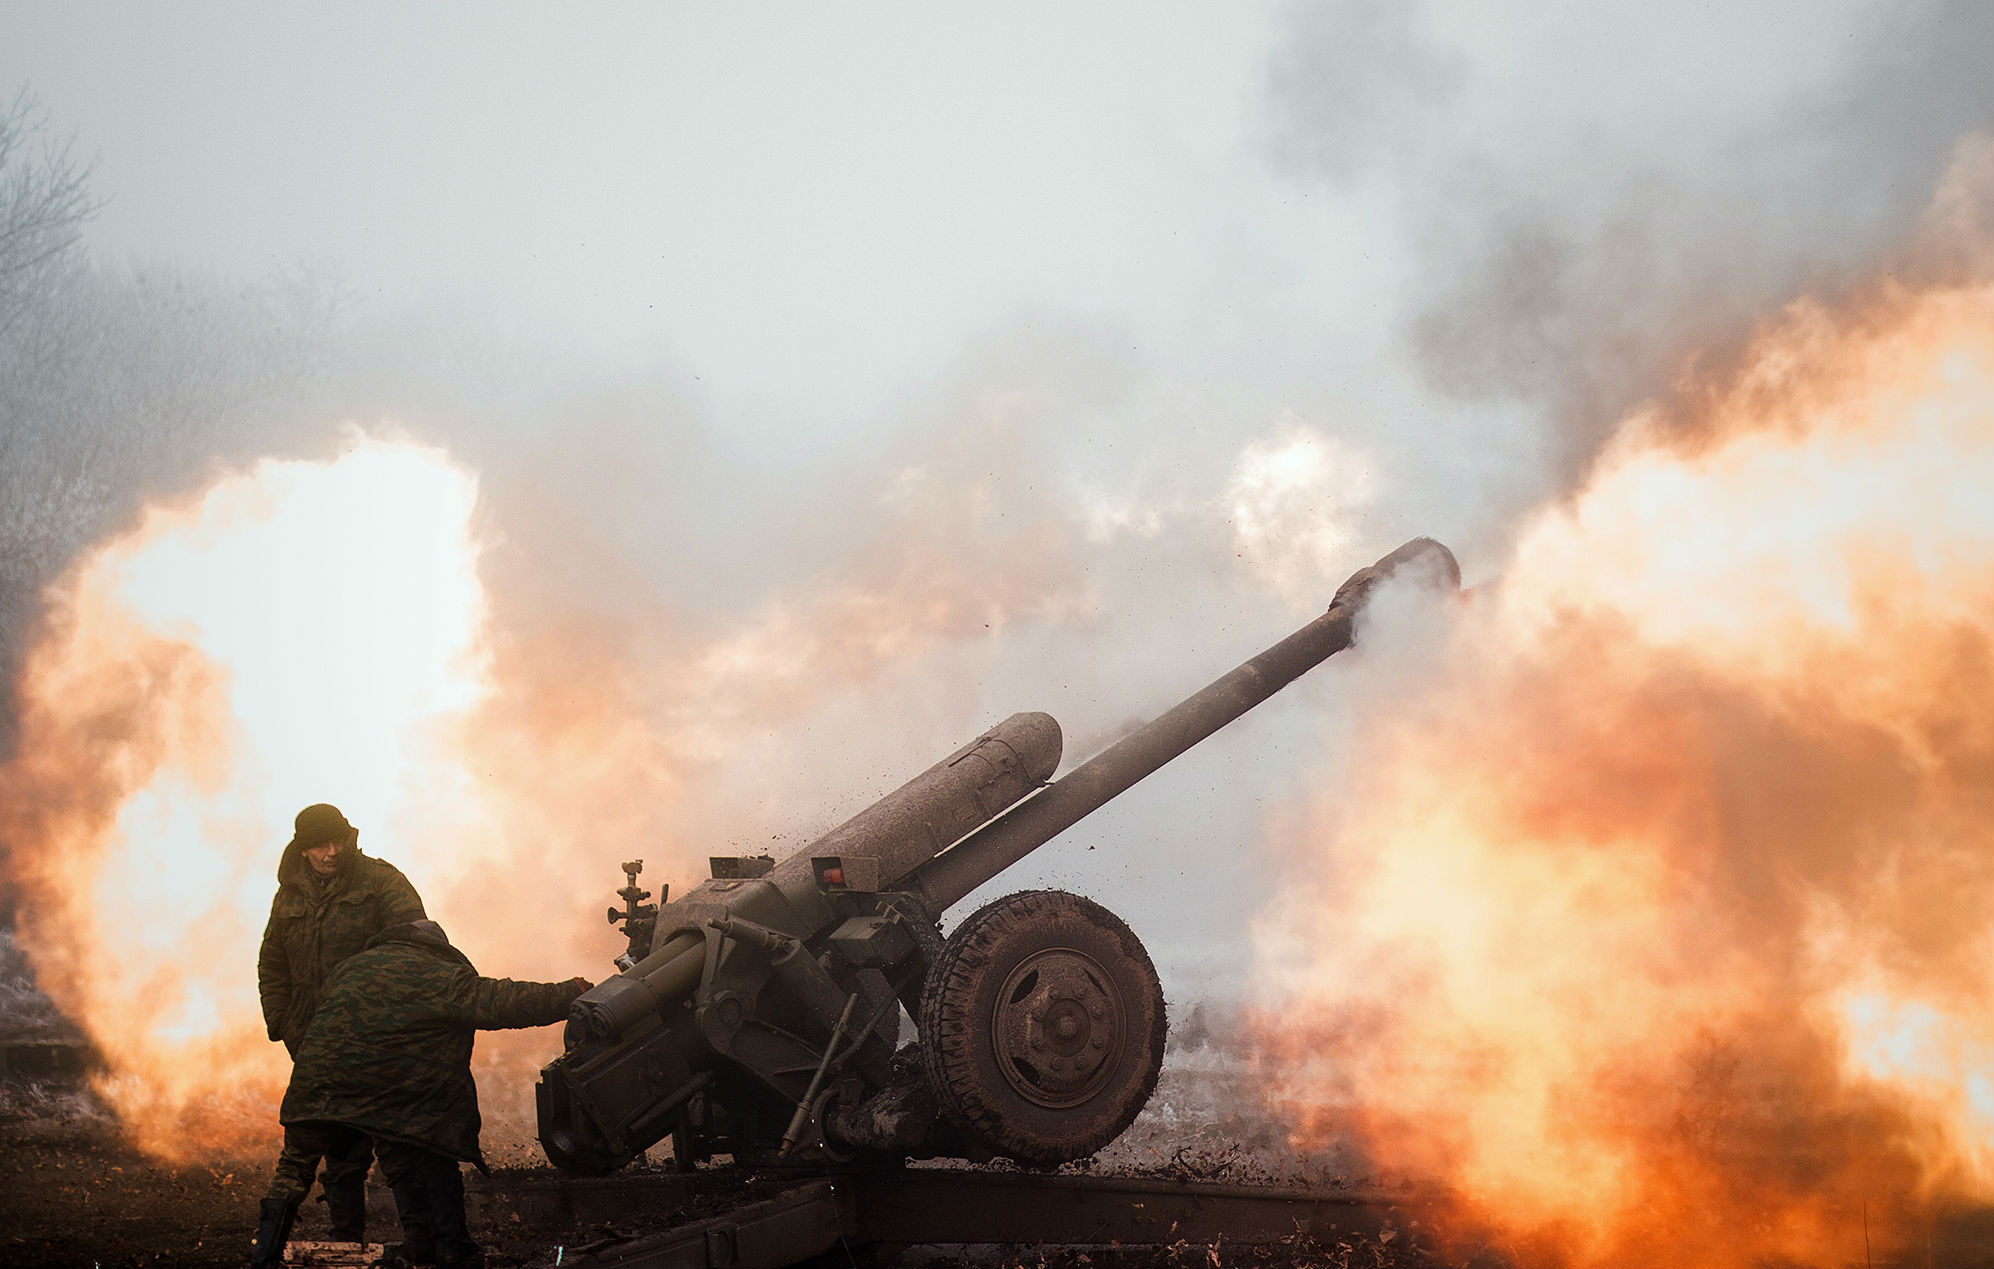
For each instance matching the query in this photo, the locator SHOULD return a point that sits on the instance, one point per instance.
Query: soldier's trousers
(429, 1197)
(346, 1152)
(429, 1187)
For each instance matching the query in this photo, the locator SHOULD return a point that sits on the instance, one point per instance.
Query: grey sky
(816, 211)
(809, 207)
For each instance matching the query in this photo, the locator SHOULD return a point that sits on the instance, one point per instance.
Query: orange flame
(295, 630)
(1655, 916)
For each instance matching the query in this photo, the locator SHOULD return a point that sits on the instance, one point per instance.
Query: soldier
(388, 1058)
(330, 900)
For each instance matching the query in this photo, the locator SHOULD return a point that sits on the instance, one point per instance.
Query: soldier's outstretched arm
(492, 1004)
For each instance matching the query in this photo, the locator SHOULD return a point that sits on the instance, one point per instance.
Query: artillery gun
(760, 1014)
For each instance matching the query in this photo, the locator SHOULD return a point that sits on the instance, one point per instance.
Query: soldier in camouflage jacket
(330, 900)
(388, 1055)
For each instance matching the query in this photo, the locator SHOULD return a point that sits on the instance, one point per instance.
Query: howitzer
(759, 1015)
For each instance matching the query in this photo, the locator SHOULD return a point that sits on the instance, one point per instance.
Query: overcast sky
(816, 210)
(1456, 238)
(809, 207)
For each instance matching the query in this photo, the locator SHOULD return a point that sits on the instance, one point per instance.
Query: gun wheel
(1043, 1026)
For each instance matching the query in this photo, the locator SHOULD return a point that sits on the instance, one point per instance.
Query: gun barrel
(945, 879)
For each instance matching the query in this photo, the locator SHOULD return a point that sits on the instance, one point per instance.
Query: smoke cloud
(1598, 196)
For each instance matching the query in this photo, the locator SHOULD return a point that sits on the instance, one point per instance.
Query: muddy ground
(73, 1193)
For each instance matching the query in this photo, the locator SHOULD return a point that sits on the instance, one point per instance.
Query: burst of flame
(1657, 921)
(296, 635)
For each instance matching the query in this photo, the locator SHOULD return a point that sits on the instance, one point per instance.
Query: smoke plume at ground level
(1652, 915)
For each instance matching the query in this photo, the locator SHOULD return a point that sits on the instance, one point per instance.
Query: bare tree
(44, 201)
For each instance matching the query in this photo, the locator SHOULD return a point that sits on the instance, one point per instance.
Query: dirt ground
(73, 1194)
(85, 1199)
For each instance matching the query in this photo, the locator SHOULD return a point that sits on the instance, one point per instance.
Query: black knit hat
(320, 823)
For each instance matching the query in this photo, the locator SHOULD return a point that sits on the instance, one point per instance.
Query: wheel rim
(1058, 1027)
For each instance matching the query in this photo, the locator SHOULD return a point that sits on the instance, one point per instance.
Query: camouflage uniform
(315, 923)
(389, 1055)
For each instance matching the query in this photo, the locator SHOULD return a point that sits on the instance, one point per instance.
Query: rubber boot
(273, 1232)
(346, 1208)
(418, 1244)
(454, 1248)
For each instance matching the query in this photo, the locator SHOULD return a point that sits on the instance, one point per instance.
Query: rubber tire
(958, 1019)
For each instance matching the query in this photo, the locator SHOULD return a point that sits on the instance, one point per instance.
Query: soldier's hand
(581, 984)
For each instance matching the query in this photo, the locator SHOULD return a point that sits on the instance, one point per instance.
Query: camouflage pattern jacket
(314, 926)
(389, 1051)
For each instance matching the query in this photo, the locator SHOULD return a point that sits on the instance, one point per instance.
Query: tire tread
(949, 1046)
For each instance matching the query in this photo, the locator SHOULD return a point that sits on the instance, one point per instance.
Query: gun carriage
(760, 1014)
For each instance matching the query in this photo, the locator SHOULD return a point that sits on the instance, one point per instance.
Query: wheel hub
(1058, 1027)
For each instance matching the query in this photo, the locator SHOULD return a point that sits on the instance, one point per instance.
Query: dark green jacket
(389, 1051)
(312, 928)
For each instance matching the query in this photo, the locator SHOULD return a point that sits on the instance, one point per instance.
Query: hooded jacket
(315, 925)
(389, 1051)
